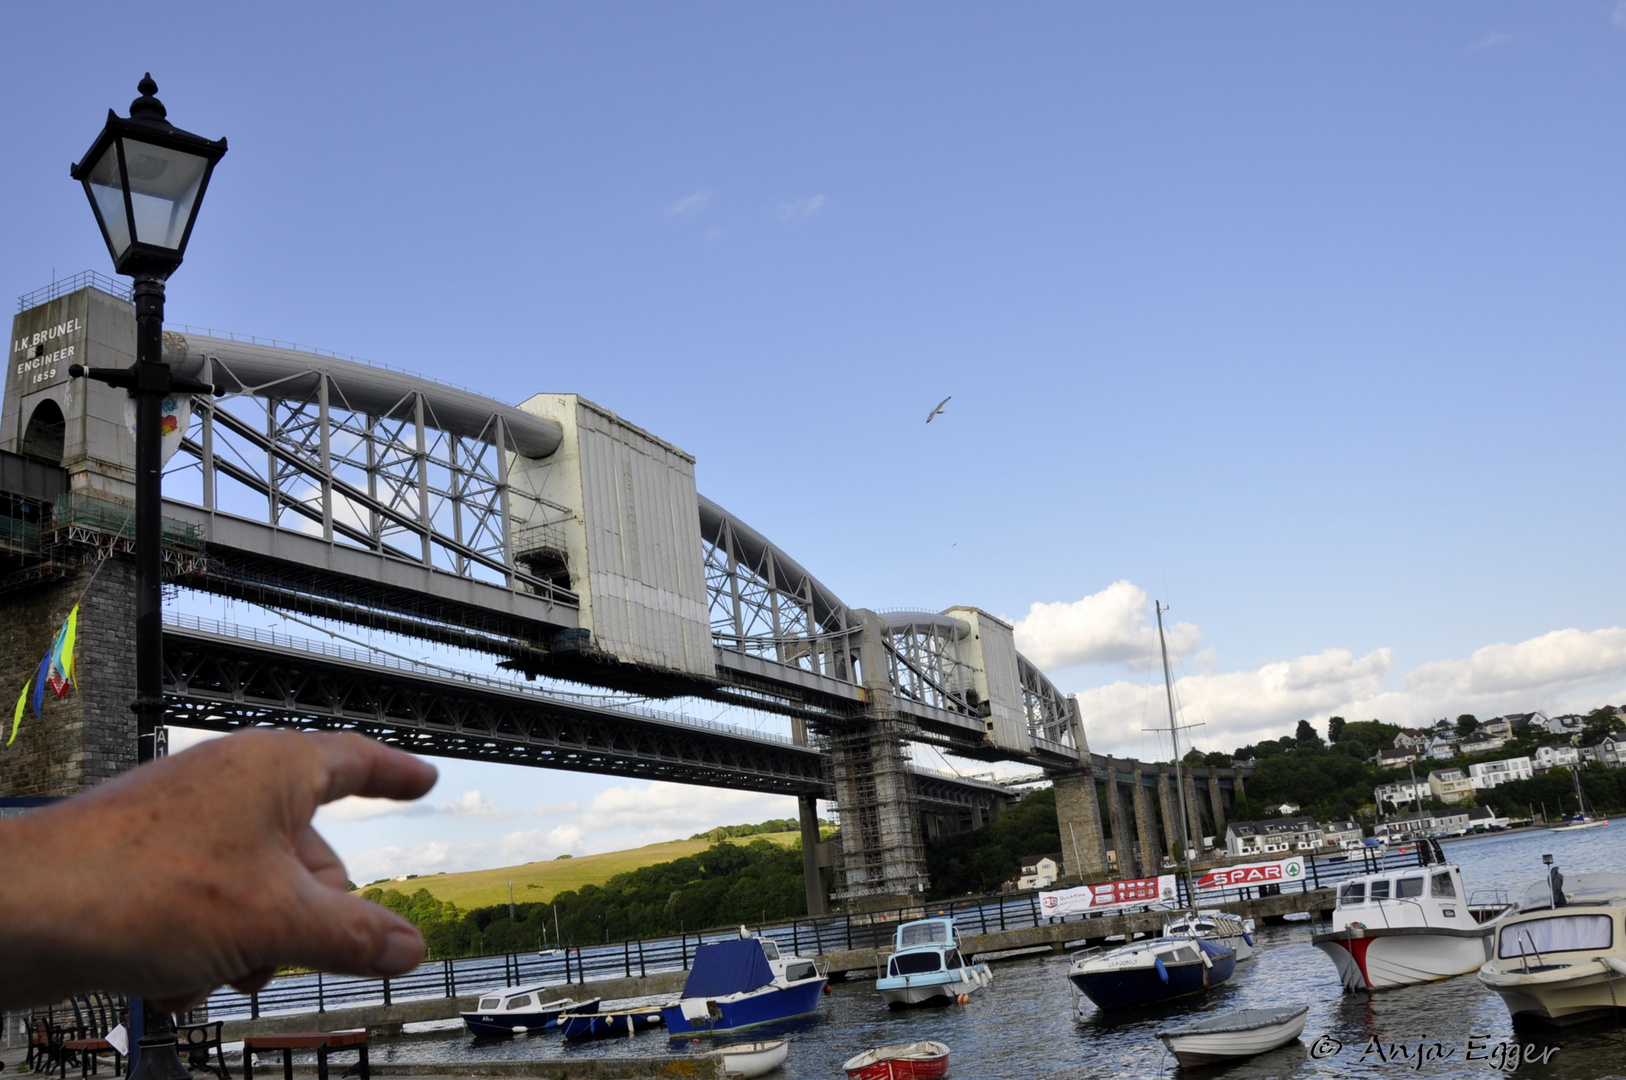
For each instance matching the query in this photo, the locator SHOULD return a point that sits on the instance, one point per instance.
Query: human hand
(199, 870)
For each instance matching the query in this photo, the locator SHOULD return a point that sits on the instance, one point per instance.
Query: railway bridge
(567, 547)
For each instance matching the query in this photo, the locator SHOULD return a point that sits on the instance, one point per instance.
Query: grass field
(537, 882)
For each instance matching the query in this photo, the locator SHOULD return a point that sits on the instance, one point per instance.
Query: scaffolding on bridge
(867, 768)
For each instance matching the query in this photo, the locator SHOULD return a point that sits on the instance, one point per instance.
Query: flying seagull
(939, 410)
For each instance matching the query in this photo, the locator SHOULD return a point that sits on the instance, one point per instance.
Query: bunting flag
(55, 673)
(17, 716)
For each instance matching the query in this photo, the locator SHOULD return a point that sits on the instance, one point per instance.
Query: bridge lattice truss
(413, 472)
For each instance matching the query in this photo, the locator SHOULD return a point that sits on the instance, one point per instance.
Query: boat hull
(933, 988)
(1571, 994)
(522, 1021)
(750, 1010)
(1136, 987)
(900, 1061)
(1379, 959)
(606, 1025)
(753, 1059)
(1236, 1035)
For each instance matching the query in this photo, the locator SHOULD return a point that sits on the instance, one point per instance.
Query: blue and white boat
(599, 1025)
(1152, 971)
(742, 984)
(515, 1010)
(926, 966)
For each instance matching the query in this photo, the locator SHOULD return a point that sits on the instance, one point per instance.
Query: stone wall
(87, 736)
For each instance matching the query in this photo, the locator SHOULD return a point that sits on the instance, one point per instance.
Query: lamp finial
(146, 107)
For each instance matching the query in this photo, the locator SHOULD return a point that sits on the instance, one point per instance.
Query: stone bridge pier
(1108, 827)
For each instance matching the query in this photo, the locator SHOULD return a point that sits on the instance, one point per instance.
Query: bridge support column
(1171, 820)
(1216, 803)
(89, 735)
(1123, 844)
(1079, 817)
(818, 901)
(1237, 790)
(1151, 853)
(1194, 817)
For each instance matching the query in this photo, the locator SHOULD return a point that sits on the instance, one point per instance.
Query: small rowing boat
(1230, 1036)
(753, 1058)
(924, 1060)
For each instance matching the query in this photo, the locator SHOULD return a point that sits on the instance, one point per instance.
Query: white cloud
(800, 208)
(689, 206)
(472, 804)
(1111, 626)
(1562, 671)
(1493, 39)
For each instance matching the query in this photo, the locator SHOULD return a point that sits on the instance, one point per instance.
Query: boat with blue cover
(927, 967)
(743, 983)
(515, 1010)
(1152, 971)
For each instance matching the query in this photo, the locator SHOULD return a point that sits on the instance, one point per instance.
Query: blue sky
(1305, 319)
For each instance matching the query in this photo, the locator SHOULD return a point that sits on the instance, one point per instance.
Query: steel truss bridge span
(221, 678)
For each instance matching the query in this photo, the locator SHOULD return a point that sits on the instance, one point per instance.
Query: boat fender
(1247, 937)
(520, 1029)
(1615, 963)
(1162, 972)
(963, 999)
(828, 989)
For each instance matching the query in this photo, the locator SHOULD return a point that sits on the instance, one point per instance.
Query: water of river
(1024, 1025)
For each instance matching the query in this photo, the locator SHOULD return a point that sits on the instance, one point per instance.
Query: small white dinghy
(1230, 1036)
(753, 1058)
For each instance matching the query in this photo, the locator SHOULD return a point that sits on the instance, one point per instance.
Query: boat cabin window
(1561, 933)
(926, 933)
(1408, 888)
(521, 1002)
(1183, 955)
(1440, 886)
(1380, 890)
(951, 959)
(770, 950)
(488, 1004)
(798, 972)
(1353, 893)
(916, 963)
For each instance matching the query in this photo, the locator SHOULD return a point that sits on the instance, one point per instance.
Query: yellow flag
(17, 717)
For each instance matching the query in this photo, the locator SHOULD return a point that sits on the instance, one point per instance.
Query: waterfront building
(1039, 871)
(1273, 836)
(1487, 774)
(1450, 785)
(1549, 757)
(1483, 817)
(1341, 834)
(1423, 823)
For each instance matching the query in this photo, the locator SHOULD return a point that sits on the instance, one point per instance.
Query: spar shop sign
(1271, 873)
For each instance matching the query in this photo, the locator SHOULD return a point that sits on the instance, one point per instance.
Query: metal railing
(63, 286)
(641, 957)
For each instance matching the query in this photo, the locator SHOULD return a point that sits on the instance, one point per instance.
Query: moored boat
(1562, 958)
(1399, 927)
(923, 1060)
(599, 1025)
(927, 966)
(1220, 926)
(743, 983)
(1580, 819)
(1230, 1036)
(752, 1059)
(1151, 971)
(515, 1010)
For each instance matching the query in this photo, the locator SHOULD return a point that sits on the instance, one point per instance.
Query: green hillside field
(539, 882)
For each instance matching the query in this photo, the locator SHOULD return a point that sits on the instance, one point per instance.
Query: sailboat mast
(1174, 739)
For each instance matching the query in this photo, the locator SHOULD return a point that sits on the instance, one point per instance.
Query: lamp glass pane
(109, 195)
(164, 185)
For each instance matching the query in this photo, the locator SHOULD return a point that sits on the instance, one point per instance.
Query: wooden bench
(323, 1042)
(89, 1052)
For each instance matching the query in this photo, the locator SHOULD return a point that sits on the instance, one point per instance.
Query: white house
(1481, 742)
(1487, 774)
(1272, 836)
(1548, 757)
(1342, 834)
(1442, 748)
(1400, 793)
(1039, 871)
(1413, 740)
(1285, 809)
(1610, 750)
(1483, 817)
(1423, 823)
(1568, 724)
(1393, 759)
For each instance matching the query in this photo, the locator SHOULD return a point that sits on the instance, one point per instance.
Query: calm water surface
(1025, 1025)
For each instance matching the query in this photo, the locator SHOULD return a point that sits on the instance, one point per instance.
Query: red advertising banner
(1108, 894)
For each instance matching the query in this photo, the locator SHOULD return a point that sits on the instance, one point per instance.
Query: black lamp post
(145, 179)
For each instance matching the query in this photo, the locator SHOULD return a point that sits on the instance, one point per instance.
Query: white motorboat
(1230, 1036)
(1405, 926)
(752, 1058)
(1562, 958)
(927, 966)
(516, 1010)
(1215, 925)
